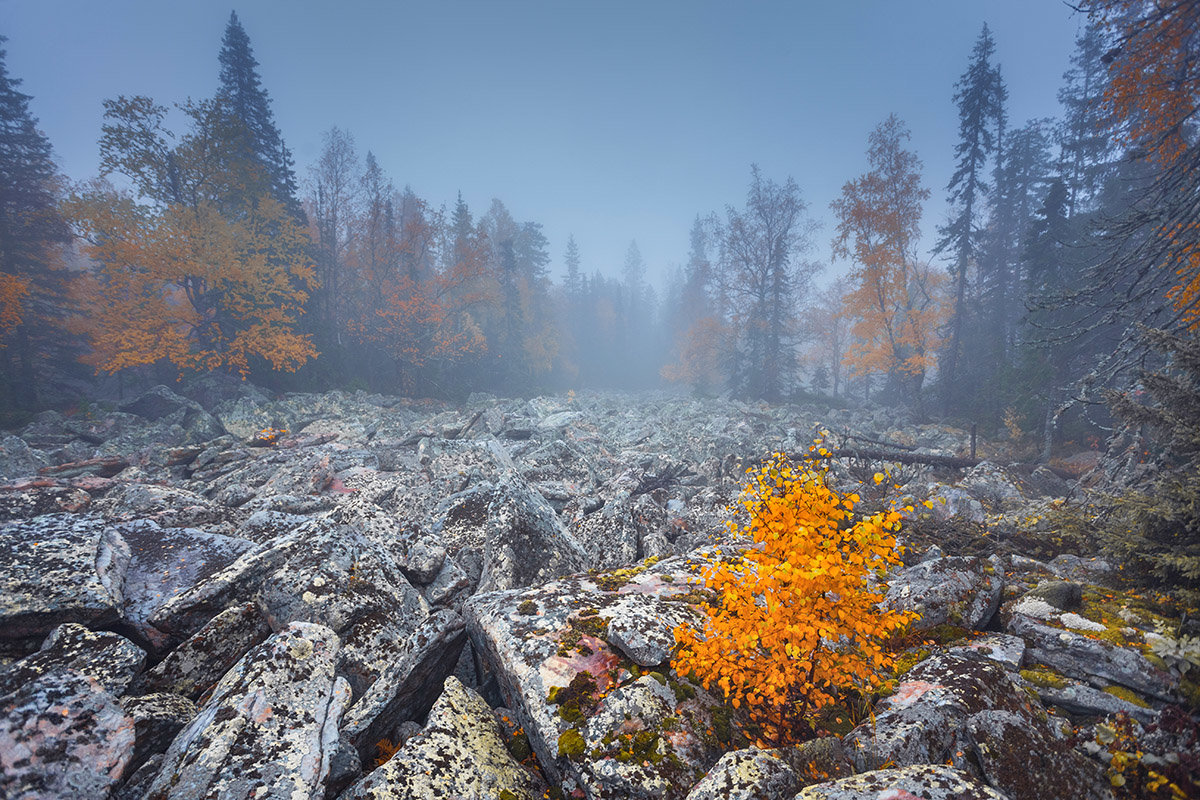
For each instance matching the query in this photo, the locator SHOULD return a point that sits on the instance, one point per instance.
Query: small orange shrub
(798, 619)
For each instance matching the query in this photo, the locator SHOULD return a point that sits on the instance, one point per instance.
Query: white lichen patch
(1076, 622)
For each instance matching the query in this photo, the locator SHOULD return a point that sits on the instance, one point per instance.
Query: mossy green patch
(575, 700)
(1126, 695)
(570, 744)
(527, 608)
(1044, 677)
(907, 660)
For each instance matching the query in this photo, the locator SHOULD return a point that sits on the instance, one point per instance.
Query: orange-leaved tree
(1154, 95)
(799, 619)
(894, 303)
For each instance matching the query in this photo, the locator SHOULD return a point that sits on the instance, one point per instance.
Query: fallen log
(871, 454)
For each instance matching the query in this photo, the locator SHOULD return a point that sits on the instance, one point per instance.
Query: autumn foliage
(799, 618)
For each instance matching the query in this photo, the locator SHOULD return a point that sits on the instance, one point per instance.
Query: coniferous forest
(203, 247)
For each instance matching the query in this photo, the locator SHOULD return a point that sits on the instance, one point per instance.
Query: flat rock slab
(268, 730)
(460, 753)
(107, 658)
(607, 733)
(195, 666)
(56, 569)
(1088, 659)
(62, 736)
(920, 782)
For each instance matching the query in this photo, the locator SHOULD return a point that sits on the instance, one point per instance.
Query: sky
(613, 121)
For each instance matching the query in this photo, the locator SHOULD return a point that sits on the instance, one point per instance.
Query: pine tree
(31, 282)
(573, 283)
(259, 142)
(979, 95)
(1084, 134)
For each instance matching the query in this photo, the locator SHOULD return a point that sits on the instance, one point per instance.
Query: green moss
(578, 627)
(906, 661)
(722, 724)
(641, 746)
(945, 633)
(575, 700)
(670, 724)
(1044, 677)
(570, 744)
(683, 691)
(613, 580)
(658, 676)
(527, 608)
(1126, 695)
(667, 577)
(518, 745)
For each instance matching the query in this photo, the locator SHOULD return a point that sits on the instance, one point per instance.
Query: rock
(157, 719)
(1025, 763)
(927, 781)
(459, 754)
(193, 667)
(1079, 698)
(747, 775)
(992, 484)
(449, 586)
(920, 723)
(62, 735)
(56, 569)
(345, 767)
(137, 784)
(1092, 660)
(1081, 570)
(269, 729)
(407, 687)
(31, 498)
(643, 627)
(595, 727)
(18, 459)
(961, 591)
(165, 562)
(109, 659)
(1006, 650)
(516, 533)
(321, 572)
(424, 561)
(161, 405)
(1063, 595)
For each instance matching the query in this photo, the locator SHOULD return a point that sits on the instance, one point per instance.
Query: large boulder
(960, 591)
(927, 781)
(751, 774)
(164, 563)
(270, 727)
(109, 659)
(56, 569)
(321, 572)
(460, 753)
(62, 735)
(597, 726)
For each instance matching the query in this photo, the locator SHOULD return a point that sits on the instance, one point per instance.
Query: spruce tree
(979, 95)
(258, 144)
(31, 282)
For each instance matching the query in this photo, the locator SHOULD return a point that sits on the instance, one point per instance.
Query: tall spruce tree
(1085, 139)
(259, 144)
(31, 284)
(979, 95)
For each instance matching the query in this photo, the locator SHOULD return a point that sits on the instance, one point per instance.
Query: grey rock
(137, 784)
(18, 459)
(460, 753)
(927, 781)
(920, 723)
(1025, 763)
(407, 686)
(1063, 595)
(449, 586)
(164, 563)
(109, 659)
(193, 667)
(1091, 660)
(62, 736)
(1079, 698)
(56, 569)
(1007, 650)
(424, 561)
(643, 628)
(345, 767)
(962, 591)
(157, 719)
(747, 775)
(269, 730)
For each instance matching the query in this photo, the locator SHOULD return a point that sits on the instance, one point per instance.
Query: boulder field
(232, 595)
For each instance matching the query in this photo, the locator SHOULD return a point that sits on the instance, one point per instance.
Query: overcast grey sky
(613, 120)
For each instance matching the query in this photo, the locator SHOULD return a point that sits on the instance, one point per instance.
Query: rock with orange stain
(269, 728)
(62, 735)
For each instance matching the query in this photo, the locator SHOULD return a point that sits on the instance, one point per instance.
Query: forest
(205, 249)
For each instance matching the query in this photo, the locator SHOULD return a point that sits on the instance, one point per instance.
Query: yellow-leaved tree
(798, 620)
